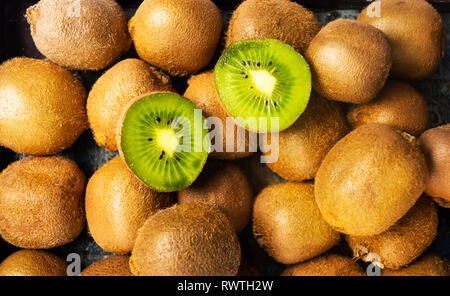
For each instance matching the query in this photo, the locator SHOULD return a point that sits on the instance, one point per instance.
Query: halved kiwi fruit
(325, 265)
(161, 137)
(260, 80)
(111, 266)
(33, 263)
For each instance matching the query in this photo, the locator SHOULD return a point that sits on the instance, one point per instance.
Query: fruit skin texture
(370, 179)
(402, 243)
(111, 266)
(398, 105)
(79, 34)
(186, 240)
(350, 61)
(273, 19)
(402, 22)
(126, 80)
(41, 202)
(303, 146)
(288, 224)
(179, 37)
(326, 265)
(118, 204)
(224, 186)
(42, 110)
(430, 264)
(33, 263)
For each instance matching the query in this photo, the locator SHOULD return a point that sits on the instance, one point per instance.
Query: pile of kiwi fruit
(360, 169)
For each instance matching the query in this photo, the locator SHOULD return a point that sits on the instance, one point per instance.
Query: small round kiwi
(303, 146)
(186, 240)
(325, 265)
(429, 264)
(416, 34)
(350, 61)
(126, 80)
(435, 143)
(398, 105)
(42, 107)
(403, 242)
(288, 225)
(41, 202)
(33, 263)
(111, 266)
(370, 179)
(273, 19)
(79, 34)
(179, 37)
(224, 186)
(117, 205)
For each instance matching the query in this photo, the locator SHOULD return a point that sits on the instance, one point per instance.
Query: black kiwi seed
(158, 119)
(150, 139)
(246, 76)
(243, 63)
(259, 64)
(270, 63)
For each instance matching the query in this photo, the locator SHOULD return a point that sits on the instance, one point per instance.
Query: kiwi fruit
(111, 266)
(325, 265)
(398, 105)
(186, 240)
(430, 264)
(403, 242)
(416, 34)
(126, 80)
(117, 205)
(245, 269)
(202, 92)
(273, 19)
(435, 143)
(287, 223)
(370, 179)
(350, 61)
(163, 140)
(43, 107)
(302, 146)
(41, 202)
(179, 37)
(33, 263)
(224, 186)
(262, 81)
(79, 34)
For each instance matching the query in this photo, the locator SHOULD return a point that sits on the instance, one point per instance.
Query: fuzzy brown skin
(436, 146)
(350, 61)
(33, 263)
(111, 266)
(429, 264)
(370, 179)
(303, 146)
(273, 19)
(126, 80)
(186, 240)
(398, 105)
(117, 205)
(402, 243)
(402, 22)
(224, 186)
(42, 107)
(287, 223)
(179, 37)
(41, 202)
(79, 34)
(326, 265)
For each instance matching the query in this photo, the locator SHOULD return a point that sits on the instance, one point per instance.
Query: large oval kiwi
(326, 265)
(111, 266)
(33, 263)
(430, 264)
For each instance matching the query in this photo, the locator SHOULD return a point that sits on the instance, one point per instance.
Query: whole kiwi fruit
(370, 179)
(325, 265)
(33, 263)
(41, 202)
(287, 223)
(111, 266)
(118, 204)
(285, 20)
(79, 34)
(303, 145)
(179, 37)
(224, 186)
(429, 264)
(186, 240)
(403, 242)
(126, 80)
(350, 61)
(42, 110)
(416, 34)
(398, 105)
